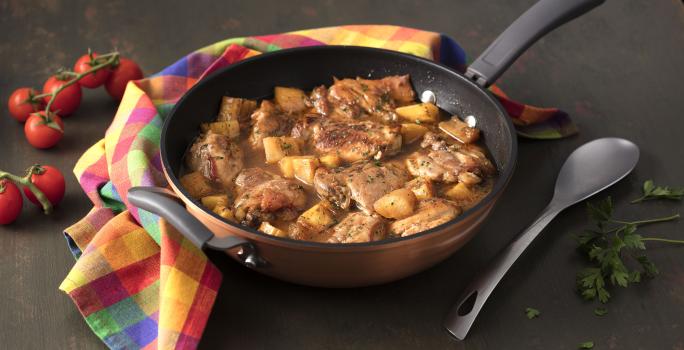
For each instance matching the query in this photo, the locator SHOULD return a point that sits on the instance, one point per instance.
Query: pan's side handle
(541, 18)
(158, 201)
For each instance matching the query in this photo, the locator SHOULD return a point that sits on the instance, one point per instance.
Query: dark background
(618, 71)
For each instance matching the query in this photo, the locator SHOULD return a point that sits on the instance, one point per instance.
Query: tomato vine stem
(26, 181)
(110, 59)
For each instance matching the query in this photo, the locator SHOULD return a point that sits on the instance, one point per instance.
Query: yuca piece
(304, 168)
(224, 212)
(276, 148)
(318, 217)
(460, 130)
(420, 113)
(215, 200)
(233, 108)
(267, 228)
(411, 132)
(290, 100)
(230, 128)
(397, 204)
(331, 160)
(197, 185)
(421, 187)
(459, 192)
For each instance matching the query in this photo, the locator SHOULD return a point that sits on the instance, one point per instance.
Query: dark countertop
(618, 71)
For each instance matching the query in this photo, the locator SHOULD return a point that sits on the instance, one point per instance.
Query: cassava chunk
(397, 204)
(421, 112)
(290, 100)
(460, 130)
(197, 185)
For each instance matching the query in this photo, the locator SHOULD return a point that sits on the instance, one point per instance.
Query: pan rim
(500, 184)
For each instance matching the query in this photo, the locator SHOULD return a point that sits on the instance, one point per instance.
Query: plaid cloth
(138, 283)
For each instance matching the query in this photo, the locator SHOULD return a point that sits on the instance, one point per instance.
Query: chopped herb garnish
(532, 313)
(651, 191)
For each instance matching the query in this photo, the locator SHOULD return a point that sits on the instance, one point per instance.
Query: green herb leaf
(587, 345)
(651, 191)
(532, 313)
(606, 249)
(600, 311)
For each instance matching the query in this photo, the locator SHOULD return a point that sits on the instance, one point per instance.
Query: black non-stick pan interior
(309, 67)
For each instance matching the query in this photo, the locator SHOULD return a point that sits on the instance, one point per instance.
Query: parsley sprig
(607, 245)
(651, 191)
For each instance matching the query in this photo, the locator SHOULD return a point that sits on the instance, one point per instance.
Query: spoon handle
(462, 315)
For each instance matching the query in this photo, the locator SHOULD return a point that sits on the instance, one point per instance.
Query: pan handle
(541, 18)
(159, 201)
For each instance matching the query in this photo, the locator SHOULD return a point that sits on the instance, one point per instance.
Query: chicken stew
(357, 161)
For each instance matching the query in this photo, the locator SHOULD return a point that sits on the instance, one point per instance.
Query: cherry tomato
(10, 202)
(50, 181)
(126, 71)
(91, 80)
(67, 101)
(43, 130)
(20, 105)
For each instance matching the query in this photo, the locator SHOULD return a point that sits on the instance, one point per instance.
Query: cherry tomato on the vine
(10, 202)
(67, 100)
(124, 72)
(43, 130)
(20, 104)
(50, 181)
(95, 79)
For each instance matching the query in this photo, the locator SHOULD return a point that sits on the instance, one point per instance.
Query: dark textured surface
(618, 71)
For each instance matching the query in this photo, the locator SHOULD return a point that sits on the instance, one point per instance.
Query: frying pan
(356, 264)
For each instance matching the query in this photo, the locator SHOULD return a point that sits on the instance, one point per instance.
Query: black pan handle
(541, 18)
(157, 200)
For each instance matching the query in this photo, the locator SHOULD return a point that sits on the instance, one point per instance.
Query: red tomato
(126, 71)
(91, 80)
(50, 181)
(67, 101)
(42, 131)
(20, 105)
(10, 202)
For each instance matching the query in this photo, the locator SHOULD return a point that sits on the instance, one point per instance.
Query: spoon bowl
(590, 169)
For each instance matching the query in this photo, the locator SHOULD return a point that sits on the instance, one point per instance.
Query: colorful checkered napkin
(137, 282)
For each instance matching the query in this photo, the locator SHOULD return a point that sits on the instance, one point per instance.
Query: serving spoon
(590, 169)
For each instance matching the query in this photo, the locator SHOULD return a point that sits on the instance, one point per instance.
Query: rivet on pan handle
(159, 201)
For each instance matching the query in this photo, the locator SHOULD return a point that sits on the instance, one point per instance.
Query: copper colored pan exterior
(348, 266)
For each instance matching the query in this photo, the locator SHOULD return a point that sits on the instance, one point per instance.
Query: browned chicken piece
(430, 212)
(303, 127)
(354, 141)
(400, 88)
(319, 100)
(358, 227)
(355, 98)
(362, 182)
(263, 196)
(440, 161)
(250, 177)
(216, 157)
(268, 121)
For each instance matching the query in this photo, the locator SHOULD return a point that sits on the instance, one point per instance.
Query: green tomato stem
(26, 181)
(649, 221)
(111, 59)
(663, 240)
